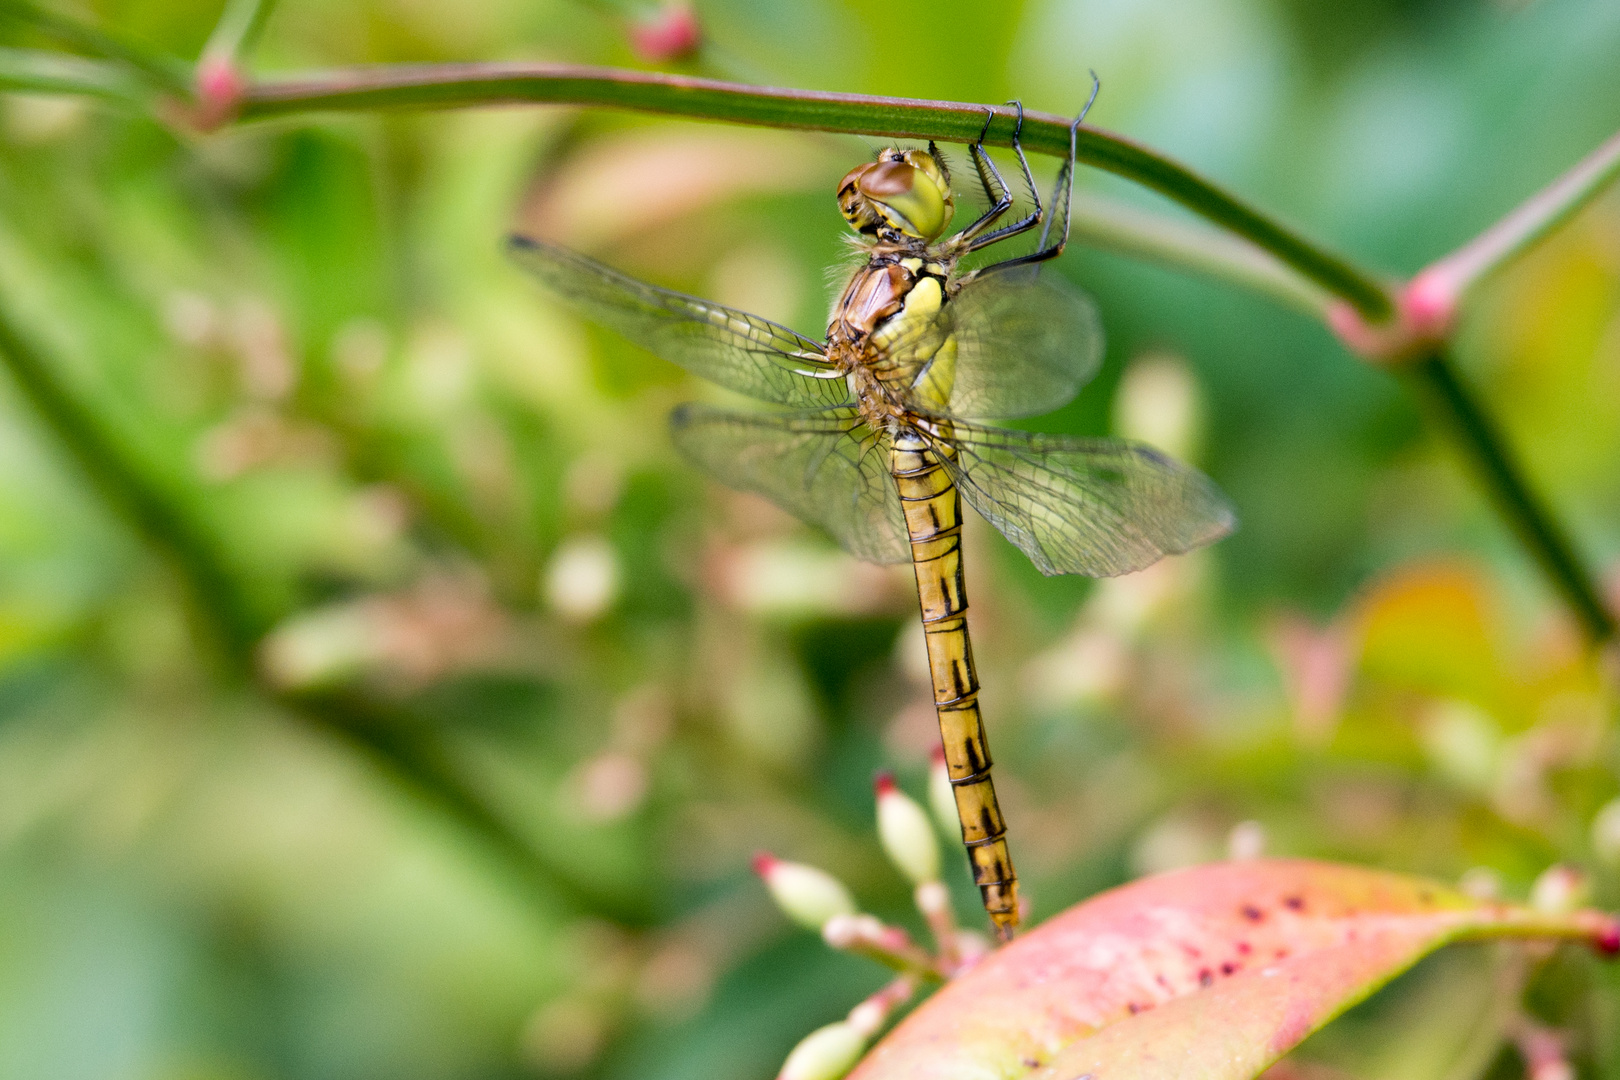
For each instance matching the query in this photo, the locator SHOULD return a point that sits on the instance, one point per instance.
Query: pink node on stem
(1429, 303)
(220, 87)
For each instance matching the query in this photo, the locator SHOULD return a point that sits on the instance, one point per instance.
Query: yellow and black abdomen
(933, 512)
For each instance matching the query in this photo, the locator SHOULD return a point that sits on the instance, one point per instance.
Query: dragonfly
(878, 434)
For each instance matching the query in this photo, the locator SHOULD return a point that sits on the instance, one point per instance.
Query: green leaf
(1211, 973)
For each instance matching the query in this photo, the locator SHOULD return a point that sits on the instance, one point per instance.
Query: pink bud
(672, 34)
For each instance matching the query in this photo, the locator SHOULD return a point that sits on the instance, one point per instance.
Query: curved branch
(465, 85)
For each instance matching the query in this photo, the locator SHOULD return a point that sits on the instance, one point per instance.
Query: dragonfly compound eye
(903, 193)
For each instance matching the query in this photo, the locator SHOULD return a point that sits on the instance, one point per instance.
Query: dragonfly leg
(995, 188)
(1061, 192)
(1025, 223)
(933, 512)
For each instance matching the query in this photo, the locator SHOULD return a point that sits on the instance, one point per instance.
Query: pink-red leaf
(1211, 973)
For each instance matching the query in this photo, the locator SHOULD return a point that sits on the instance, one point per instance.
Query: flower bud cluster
(818, 901)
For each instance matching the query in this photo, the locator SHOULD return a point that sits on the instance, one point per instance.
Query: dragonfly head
(904, 193)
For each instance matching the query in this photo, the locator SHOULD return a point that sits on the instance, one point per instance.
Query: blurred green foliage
(427, 728)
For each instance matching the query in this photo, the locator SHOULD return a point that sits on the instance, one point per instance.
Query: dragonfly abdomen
(933, 512)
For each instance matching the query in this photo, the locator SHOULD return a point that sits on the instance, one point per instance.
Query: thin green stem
(162, 71)
(1526, 513)
(1117, 226)
(238, 29)
(155, 514)
(31, 70)
(1529, 223)
(468, 85)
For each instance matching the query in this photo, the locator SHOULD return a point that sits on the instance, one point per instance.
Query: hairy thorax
(884, 321)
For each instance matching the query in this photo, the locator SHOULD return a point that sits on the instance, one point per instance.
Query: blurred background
(380, 697)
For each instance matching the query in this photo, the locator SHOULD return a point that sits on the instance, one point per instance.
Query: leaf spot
(1294, 903)
(1205, 977)
(1244, 948)
(1252, 913)
(1228, 968)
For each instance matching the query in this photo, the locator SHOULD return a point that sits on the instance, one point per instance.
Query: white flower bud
(1246, 841)
(908, 839)
(1560, 889)
(932, 899)
(1464, 744)
(942, 797)
(1158, 403)
(866, 1019)
(807, 895)
(825, 1054)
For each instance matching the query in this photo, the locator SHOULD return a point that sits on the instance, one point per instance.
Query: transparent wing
(739, 351)
(1008, 344)
(825, 468)
(1097, 507)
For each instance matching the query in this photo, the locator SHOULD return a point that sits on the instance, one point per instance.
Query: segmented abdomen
(934, 519)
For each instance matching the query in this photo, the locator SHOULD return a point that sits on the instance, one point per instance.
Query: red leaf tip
(937, 755)
(764, 863)
(883, 783)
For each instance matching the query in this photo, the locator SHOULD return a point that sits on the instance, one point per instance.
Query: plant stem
(1120, 227)
(466, 85)
(55, 73)
(1530, 222)
(238, 29)
(215, 596)
(1526, 513)
(158, 69)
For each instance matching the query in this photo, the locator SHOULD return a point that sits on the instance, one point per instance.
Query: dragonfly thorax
(886, 332)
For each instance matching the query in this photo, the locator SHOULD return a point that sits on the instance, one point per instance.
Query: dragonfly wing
(1098, 507)
(1007, 344)
(739, 351)
(826, 468)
